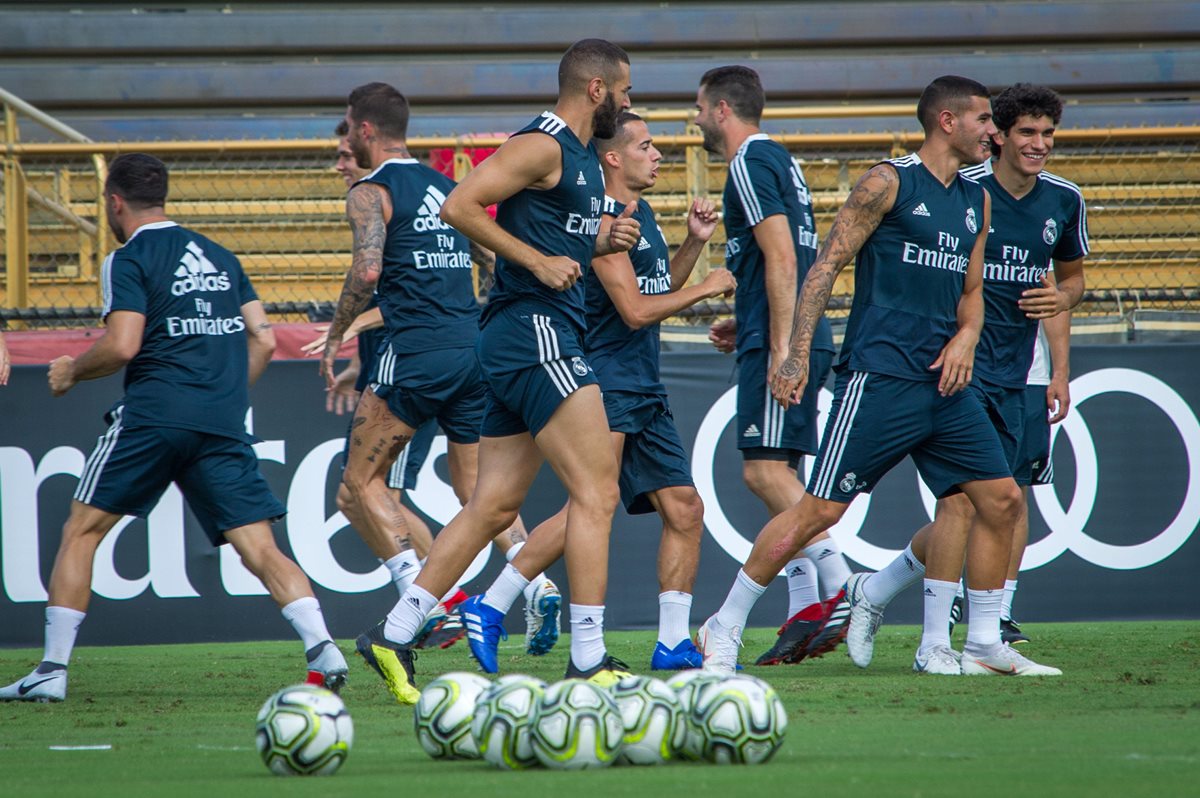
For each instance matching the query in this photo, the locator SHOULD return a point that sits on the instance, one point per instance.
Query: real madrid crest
(579, 367)
(971, 223)
(1050, 232)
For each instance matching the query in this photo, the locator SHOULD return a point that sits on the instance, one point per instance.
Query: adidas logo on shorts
(751, 432)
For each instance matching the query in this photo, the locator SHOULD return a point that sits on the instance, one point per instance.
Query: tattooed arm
(368, 208)
(871, 198)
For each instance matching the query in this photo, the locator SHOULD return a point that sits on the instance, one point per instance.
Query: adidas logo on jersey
(751, 432)
(921, 210)
(427, 219)
(197, 273)
(643, 244)
(581, 180)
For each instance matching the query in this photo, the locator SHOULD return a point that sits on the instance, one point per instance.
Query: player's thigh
(577, 444)
(128, 470)
(963, 447)
(507, 467)
(654, 460)
(377, 436)
(223, 486)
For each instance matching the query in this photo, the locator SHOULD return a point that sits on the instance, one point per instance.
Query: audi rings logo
(1067, 525)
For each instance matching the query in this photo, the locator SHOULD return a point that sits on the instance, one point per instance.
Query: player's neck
(620, 192)
(580, 118)
(941, 160)
(384, 150)
(134, 222)
(736, 135)
(1011, 180)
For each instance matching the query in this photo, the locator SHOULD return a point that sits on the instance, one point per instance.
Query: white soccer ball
(655, 728)
(443, 715)
(742, 720)
(502, 721)
(686, 685)
(304, 730)
(577, 725)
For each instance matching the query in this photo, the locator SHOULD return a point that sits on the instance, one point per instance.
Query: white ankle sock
(305, 616)
(939, 597)
(832, 570)
(404, 568)
(674, 613)
(802, 585)
(408, 616)
(532, 585)
(587, 635)
(62, 624)
(743, 595)
(1010, 592)
(513, 551)
(504, 591)
(893, 579)
(983, 631)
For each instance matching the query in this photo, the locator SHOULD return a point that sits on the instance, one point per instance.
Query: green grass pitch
(1124, 720)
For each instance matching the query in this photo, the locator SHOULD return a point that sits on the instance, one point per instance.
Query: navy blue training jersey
(625, 359)
(191, 371)
(426, 291)
(563, 220)
(1027, 234)
(908, 277)
(765, 180)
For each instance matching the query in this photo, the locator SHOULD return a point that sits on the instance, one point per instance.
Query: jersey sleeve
(1073, 244)
(122, 285)
(246, 291)
(758, 186)
(610, 207)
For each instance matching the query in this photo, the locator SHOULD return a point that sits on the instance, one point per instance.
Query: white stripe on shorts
(395, 479)
(839, 433)
(95, 462)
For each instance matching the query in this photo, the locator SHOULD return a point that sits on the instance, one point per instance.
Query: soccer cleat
(794, 635)
(610, 671)
(682, 657)
(1011, 634)
(865, 618)
(1004, 660)
(833, 628)
(326, 666)
(485, 630)
(432, 621)
(541, 618)
(956, 613)
(719, 645)
(938, 660)
(392, 661)
(446, 632)
(48, 682)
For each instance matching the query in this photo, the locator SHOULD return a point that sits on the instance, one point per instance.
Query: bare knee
(685, 514)
(1002, 506)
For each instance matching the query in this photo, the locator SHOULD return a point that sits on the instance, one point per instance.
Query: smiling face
(346, 165)
(706, 120)
(973, 129)
(1027, 144)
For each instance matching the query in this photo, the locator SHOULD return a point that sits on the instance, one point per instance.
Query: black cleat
(794, 635)
(392, 661)
(1010, 633)
(833, 630)
(446, 632)
(610, 671)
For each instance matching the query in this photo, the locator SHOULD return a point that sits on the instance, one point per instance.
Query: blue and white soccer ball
(443, 714)
(686, 685)
(577, 725)
(741, 720)
(304, 730)
(655, 727)
(502, 721)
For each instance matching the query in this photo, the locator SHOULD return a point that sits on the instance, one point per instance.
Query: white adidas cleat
(865, 618)
(40, 687)
(542, 618)
(938, 660)
(1004, 660)
(719, 646)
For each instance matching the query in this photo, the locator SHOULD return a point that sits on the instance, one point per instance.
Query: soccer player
(918, 228)
(543, 401)
(627, 295)
(188, 329)
(770, 244)
(1039, 222)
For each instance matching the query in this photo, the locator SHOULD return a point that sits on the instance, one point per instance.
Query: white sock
(802, 585)
(939, 598)
(1010, 592)
(408, 616)
(404, 568)
(743, 595)
(305, 616)
(983, 631)
(587, 635)
(893, 579)
(504, 591)
(62, 624)
(674, 613)
(532, 585)
(511, 554)
(832, 570)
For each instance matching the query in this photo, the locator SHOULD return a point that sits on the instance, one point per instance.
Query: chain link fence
(279, 206)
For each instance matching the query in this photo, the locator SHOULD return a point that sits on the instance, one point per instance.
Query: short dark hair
(381, 105)
(740, 88)
(342, 130)
(1023, 99)
(618, 137)
(948, 91)
(139, 179)
(587, 59)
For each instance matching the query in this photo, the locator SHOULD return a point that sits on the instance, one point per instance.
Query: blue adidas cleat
(682, 657)
(485, 630)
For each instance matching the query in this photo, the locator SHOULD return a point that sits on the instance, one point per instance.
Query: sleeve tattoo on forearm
(364, 208)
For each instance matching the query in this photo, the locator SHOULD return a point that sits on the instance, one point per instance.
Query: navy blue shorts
(653, 457)
(1006, 408)
(130, 468)
(403, 473)
(876, 420)
(763, 424)
(532, 360)
(445, 384)
(1035, 466)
